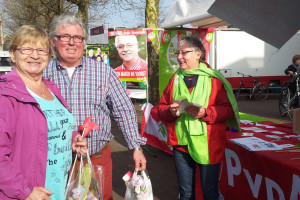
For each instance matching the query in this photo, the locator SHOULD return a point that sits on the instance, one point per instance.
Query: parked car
(4, 62)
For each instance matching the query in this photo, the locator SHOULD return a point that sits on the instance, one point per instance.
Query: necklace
(39, 89)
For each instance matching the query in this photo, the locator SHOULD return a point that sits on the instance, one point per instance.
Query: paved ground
(159, 164)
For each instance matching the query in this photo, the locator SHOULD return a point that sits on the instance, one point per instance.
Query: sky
(131, 21)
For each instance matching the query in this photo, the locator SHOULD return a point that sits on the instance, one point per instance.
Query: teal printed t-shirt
(60, 127)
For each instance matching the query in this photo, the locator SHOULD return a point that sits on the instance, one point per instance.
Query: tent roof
(274, 23)
(193, 12)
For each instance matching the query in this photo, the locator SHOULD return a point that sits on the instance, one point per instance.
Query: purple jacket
(23, 138)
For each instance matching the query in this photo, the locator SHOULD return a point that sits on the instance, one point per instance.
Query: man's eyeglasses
(183, 53)
(29, 51)
(67, 38)
(128, 46)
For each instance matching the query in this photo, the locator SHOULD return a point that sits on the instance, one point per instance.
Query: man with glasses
(128, 48)
(92, 88)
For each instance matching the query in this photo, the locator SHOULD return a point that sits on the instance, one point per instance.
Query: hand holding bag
(139, 187)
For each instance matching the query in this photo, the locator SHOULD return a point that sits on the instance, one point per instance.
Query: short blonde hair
(30, 34)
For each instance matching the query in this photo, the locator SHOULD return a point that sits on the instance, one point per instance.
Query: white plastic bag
(139, 187)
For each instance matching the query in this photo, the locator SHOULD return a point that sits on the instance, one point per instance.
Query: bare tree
(151, 21)
(83, 7)
(152, 13)
(39, 12)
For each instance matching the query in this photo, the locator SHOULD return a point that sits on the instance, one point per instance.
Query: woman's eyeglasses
(183, 53)
(29, 51)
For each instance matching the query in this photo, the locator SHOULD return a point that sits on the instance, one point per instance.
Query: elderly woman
(198, 135)
(36, 126)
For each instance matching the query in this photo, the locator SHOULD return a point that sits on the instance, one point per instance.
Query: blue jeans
(185, 170)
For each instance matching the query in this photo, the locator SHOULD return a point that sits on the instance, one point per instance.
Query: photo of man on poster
(128, 48)
(128, 53)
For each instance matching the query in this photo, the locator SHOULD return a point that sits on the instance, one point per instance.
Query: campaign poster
(99, 52)
(168, 46)
(128, 54)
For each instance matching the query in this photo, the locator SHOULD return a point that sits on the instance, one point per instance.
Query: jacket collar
(12, 85)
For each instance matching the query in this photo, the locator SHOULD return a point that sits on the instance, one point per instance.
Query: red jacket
(218, 111)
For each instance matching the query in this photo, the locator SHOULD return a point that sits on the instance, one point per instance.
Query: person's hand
(39, 193)
(195, 112)
(79, 145)
(291, 72)
(173, 109)
(139, 160)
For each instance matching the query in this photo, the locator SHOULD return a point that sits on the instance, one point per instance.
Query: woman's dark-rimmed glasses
(183, 53)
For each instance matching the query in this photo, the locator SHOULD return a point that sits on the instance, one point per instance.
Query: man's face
(91, 53)
(127, 48)
(69, 52)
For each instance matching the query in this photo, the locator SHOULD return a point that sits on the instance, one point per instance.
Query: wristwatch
(138, 148)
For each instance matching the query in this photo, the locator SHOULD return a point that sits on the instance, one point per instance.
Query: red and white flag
(154, 129)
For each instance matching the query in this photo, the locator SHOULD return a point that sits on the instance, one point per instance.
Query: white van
(4, 62)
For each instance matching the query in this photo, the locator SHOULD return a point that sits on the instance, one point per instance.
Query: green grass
(244, 116)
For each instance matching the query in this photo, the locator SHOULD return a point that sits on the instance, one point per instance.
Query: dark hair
(195, 43)
(295, 58)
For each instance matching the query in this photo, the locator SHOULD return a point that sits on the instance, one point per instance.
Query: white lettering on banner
(270, 185)
(140, 73)
(119, 32)
(296, 188)
(234, 168)
(141, 78)
(254, 185)
(231, 170)
(125, 73)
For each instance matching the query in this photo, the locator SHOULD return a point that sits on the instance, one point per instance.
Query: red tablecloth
(261, 174)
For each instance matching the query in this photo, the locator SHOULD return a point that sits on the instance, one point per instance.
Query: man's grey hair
(65, 20)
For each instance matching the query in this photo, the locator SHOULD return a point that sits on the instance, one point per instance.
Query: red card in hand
(87, 127)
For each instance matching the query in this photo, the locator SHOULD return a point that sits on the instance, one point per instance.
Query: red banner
(127, 32)
(132, 75)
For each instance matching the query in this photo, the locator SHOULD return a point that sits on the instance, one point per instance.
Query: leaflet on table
(183, 103)
(278, 132)
(264, 125)
(257, 144)
(254, 129)
(244, 121)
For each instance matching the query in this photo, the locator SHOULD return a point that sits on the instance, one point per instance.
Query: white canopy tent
(193, 12)
(273, 21)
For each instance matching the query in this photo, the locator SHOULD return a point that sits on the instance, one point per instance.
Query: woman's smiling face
(31, 64)
(187, 57)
